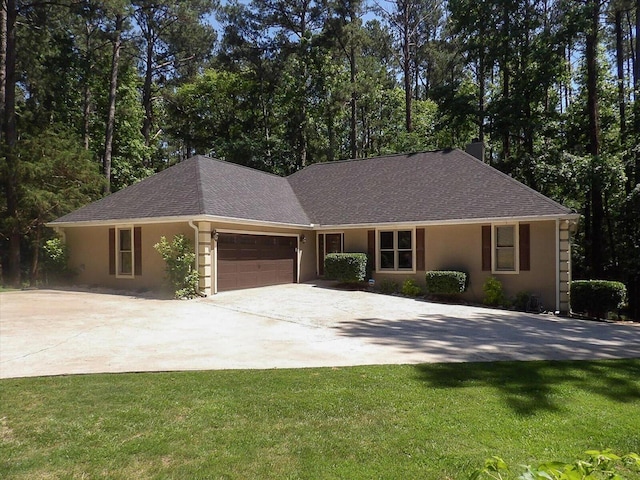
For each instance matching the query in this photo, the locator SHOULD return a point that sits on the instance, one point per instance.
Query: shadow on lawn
(531, 387)
(489, 336)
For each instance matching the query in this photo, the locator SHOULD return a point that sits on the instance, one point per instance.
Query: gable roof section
(199, 186)
(422, 187)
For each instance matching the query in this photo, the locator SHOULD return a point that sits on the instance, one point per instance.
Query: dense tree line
(97, 95)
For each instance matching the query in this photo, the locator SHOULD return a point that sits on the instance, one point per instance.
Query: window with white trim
(396, 250)
(505, 248)
(125, 252)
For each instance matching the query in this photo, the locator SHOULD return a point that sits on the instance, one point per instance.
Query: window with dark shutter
(486, 248)
(525, 246)
(112, 251)
(137, 250)
(371, 248)
(420, 254)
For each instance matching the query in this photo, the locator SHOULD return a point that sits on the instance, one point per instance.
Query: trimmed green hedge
(444, 282)
(345, 267)
(597, 297)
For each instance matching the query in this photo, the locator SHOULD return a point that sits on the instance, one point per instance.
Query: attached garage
(246, 261)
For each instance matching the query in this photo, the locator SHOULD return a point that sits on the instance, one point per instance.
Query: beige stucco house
(411, 213)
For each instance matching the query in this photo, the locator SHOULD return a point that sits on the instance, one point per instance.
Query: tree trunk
(3, 63)
(10, 137)
(86, 110)
(353, 134)
(506, 78)
(595, 258)
(146, 93)
(35, 255)
(111, 114)
(621, 79)
(406, 69)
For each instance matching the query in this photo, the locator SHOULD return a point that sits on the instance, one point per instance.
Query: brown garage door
(246, 261)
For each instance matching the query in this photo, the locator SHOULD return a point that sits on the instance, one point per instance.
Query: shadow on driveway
(485, 335)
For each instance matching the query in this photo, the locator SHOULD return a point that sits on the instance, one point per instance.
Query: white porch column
(564, 266)
(204, 257)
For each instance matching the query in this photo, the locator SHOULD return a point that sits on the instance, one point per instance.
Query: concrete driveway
(49, 332)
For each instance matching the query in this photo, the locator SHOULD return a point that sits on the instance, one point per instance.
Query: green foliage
(597, 297)
(56, 260)
(598, 465)
(493, 293)
(345, 267)
(180, 265)
(521, 302)
(388, 286)
(444, 282)
(410, 288)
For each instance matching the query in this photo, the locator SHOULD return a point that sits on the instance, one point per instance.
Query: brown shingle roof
(196, 187)
(421, 187)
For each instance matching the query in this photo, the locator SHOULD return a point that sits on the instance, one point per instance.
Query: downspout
(196, 248)
(557, 265)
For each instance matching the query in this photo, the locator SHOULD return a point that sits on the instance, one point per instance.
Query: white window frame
(118, 252)
(396, 251)
(516, 248)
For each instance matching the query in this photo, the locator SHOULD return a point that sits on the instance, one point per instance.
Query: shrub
(180, 265)
(56, 260)
(388, 286)
(597, 465)
(597, 297)
(521, 302)
(410, 288)
(493, 293)
(443, 282)
(345, 267)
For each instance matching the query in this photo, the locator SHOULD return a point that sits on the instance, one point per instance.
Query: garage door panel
(246, 261)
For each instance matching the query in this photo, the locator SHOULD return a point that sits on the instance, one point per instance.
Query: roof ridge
(239, 165)
(199, 185)
(391, 155)
(517, 182)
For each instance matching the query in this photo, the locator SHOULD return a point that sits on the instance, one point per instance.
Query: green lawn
(426, 421)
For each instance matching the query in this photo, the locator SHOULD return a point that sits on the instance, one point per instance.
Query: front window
(396, 250)
(125, 251)
(505, 254)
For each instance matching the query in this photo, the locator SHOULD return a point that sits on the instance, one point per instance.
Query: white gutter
(181, 218)
(469, 221)
(196, 248)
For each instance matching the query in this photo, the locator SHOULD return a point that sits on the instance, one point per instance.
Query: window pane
(125, 263)
(386, 240)
(404, 240)
(505, 259)
(505, 236)
(405, 260)
(125, 240)
(334, 243)
(386, 259)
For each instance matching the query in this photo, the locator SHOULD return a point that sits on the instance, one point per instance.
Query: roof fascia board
(469, 221)
(314, 227)
(178, 219)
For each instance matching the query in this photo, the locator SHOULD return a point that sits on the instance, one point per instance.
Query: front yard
(428, 421)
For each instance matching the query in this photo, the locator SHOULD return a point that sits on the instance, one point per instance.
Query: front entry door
(328, 243)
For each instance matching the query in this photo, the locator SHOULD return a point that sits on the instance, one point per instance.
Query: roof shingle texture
(196, 187)
(428, 186)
